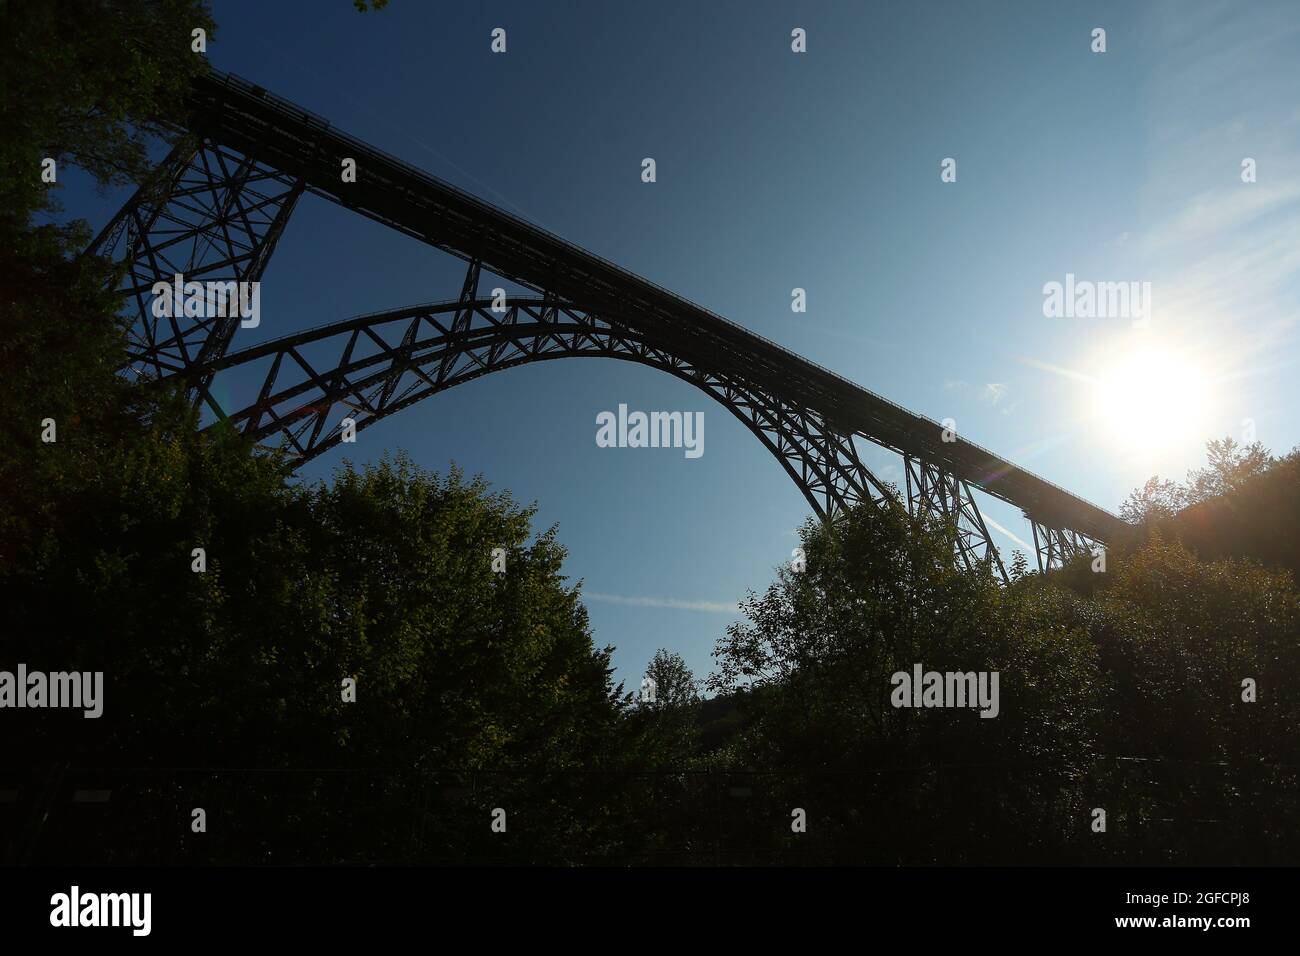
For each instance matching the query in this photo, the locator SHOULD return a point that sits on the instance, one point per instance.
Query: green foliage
(1157, 498)
(52, 368)
(383, 575)
(88, 82)
(674, 683)
(880, 594)
(84, 82)
(666, 728)
(1231, 467)
(1124, 695)
(1256, 518)
(1241, 505)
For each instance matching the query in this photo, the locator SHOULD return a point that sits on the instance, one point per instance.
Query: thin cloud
(1223, 254)
(997, 527)
(1058, 370)
(1213, 213)
(993, 392)
(712, 607)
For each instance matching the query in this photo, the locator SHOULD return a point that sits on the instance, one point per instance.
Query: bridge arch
(370, 376)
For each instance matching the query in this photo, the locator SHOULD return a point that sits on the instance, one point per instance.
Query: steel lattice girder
(930, 489)
(370, 376)
(209, 215)
(1056, 546)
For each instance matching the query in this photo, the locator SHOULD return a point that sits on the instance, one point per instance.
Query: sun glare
(1152, 399)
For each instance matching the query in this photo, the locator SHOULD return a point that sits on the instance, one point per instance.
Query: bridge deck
(245, 117)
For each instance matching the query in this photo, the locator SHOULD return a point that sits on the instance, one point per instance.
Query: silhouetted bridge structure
(218, 204)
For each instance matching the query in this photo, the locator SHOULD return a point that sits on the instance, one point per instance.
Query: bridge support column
(460, 323)
(931, 489)
(209, 215)
(1056, 546)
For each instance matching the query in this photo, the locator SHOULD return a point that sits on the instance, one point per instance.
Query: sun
(1152, 399)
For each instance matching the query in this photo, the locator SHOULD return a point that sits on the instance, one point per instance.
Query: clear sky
(818, 170)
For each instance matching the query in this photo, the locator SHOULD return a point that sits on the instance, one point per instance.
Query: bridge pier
(930, 489)
(1055, 546)
(210, 215)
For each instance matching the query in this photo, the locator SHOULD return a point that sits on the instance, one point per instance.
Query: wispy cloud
(1058, 370)
(712, 607)
(993, 392)
(997, 527)
(1224, 254)
(1213, 213)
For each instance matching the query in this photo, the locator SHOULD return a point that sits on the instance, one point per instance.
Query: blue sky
(819, 170)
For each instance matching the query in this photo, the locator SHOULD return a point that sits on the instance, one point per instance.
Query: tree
(383, 577)
(1126, 695)
(1230, 467)
(1240, 505)
(90, 82)
(1181, 639)
(1155, 499)
(672, 680)
(881, 594)
(85, 82)
(663, 726)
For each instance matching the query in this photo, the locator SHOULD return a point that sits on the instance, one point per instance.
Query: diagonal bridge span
(218, 204)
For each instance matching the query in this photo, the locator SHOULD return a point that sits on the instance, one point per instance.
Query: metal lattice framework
(1056, 546)
(381, 364)
(209, 215)
(929, 488)
(219, 203)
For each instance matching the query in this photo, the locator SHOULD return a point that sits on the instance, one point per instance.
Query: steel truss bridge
(216, 207)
